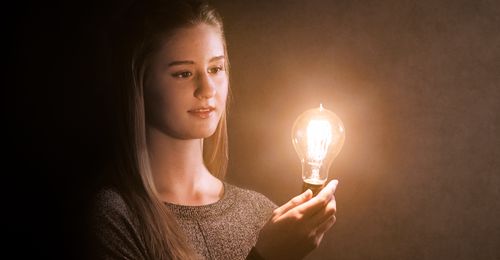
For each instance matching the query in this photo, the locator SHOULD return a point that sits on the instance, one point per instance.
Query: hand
(297, 228)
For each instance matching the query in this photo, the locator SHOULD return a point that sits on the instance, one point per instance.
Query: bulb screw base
(315, 188)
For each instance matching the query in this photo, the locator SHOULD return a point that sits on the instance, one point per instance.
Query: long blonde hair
(142, 29)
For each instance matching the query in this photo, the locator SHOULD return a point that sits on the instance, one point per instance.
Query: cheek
(161, 100)
(223, 89)
(175, 101)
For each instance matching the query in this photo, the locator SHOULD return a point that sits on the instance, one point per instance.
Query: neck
(179, 174)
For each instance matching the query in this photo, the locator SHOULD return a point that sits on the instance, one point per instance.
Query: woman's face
(185, 91)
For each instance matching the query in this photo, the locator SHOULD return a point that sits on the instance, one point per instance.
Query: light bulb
(317, 136)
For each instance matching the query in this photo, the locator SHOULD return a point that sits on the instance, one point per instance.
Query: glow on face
(185, 93)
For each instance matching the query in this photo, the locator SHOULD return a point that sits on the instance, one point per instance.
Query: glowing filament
(319, 137)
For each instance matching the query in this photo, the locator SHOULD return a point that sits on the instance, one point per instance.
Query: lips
(202, 112)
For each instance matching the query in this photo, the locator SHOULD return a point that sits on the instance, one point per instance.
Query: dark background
(416, 83)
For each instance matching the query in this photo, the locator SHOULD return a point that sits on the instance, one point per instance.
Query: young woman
(166, 198)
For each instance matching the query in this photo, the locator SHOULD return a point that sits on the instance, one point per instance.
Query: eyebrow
(189, 62)
(180, 62)
(216, 58)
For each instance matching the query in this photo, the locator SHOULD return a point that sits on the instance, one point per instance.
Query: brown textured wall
(417, 84)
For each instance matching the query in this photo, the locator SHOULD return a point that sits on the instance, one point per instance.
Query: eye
(182, 74)
(215, 70)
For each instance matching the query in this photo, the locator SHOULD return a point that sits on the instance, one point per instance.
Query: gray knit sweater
(226, 229)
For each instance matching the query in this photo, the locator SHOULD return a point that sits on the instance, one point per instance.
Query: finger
(322, 215)
(329, 188)
(320, 201)
(326, 225)
(294, 202)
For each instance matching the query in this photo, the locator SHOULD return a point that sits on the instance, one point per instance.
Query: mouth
(202, 112)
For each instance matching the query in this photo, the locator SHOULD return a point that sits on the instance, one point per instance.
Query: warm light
(317, 135)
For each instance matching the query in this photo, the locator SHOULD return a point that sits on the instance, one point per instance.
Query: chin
(201, 133)
(209, 133)
(207, 130)
(198, 130)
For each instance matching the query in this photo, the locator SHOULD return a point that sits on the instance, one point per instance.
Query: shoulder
(114, 230)
(109, 201)
(255, 199)
(110, 210)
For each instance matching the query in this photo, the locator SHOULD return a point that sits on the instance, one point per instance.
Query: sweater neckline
(203, 211)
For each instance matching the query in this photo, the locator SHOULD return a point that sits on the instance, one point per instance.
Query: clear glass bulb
(317, 135)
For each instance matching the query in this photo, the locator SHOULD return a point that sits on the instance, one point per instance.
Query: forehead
(194, 42)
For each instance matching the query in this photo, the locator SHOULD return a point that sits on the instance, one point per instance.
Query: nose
(205, 88)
